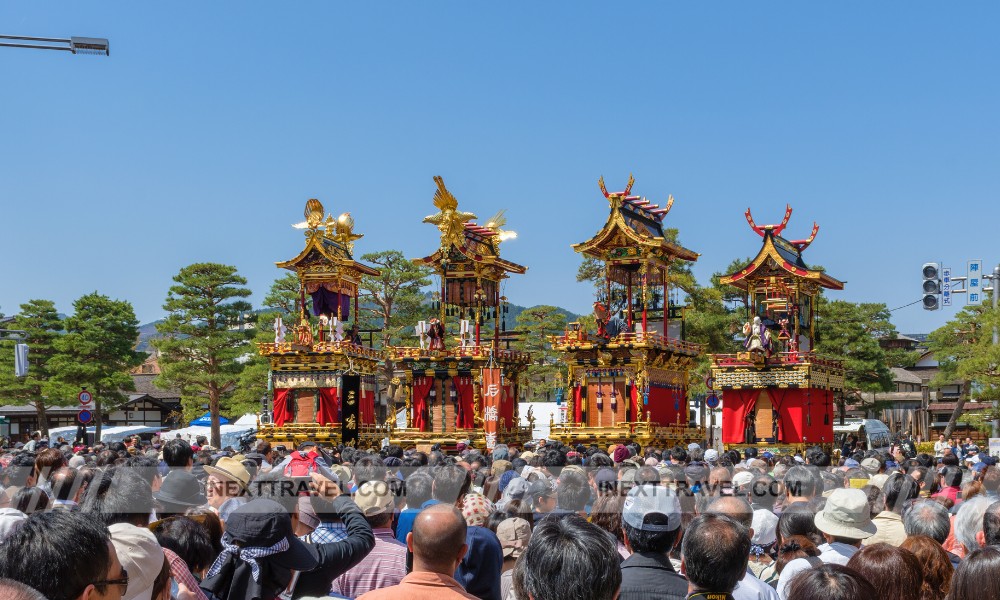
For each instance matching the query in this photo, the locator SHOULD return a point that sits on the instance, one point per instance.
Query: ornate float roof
(462, 239)
(634, 230)
(779, 256)
(329, 243)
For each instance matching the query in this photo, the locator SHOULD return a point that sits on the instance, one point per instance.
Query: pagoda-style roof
(462, 239)
(780, 257)
(634, 229)
(325, 248)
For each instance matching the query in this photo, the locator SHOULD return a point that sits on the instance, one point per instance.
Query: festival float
(460, 385)
(322, 377)
(778, 394)
(629, 379)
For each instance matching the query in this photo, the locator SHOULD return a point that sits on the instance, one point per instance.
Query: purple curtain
(324, 302)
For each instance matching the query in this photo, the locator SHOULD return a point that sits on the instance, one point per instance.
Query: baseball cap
(692, 447)
(374, 498)
(742, 478)
(850, 462)
(540, 487)
(514, 534)
(871, 465)
(645, 501)
(765, 527)
(711, 455)
(141, 557)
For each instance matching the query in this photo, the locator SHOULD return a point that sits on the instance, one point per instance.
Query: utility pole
(995, 279)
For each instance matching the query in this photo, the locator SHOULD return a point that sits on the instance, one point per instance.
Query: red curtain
(465, 415)
(736, 405)
(366, 410)
(421, 389)
(281, 408)
(661, 405)
(637, 414)
(577, 404)
(326, 412)
(802, 412)
(507, 403)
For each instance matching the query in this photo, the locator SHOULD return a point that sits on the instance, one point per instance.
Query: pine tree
(98, 352)
(203, 343)
(535, 325)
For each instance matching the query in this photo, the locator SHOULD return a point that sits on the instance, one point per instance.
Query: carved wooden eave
(489, 267)
(616, 233)
(320, 254)
(770, 261)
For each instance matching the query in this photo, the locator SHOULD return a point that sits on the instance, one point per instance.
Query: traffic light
(932, 286)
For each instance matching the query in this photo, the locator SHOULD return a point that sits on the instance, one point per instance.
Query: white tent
(108, 434)
(229, 434)
(542, 411)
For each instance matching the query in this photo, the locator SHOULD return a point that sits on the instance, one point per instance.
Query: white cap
(140, 555)
(765, 527)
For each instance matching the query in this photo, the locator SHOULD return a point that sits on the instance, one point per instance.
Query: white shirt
(836, 553)
(940, 447)
(751, 588)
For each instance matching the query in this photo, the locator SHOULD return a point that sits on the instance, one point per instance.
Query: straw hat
(846, 515)
(231, 469)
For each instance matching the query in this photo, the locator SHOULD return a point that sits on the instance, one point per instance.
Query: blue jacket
(479, 572)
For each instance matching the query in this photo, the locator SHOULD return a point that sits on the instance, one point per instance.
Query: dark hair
(418, 488)
(177, 453)
(898, 489)
(830, 582)
(679, 454)
(606, 513)
(450, 483)
(554, 458)
(188, 540)
(796, 546)
(369, 468)
(976, 576)
(817, 457)
(147, 467)
(894, 573)
(991, 524)
(20, 469)
(801, 482)
(119, 495)
(750, 452)
(647, 474)
(30, 500)
(64, 483)
(799, 520)
(567, 559)
(573, 492)
(49, 460)
(659, 542)
(935, 566)
(952, 476)
(212, 525)
(59, 553)
(716, 551)
(15, 590)
(596, 461)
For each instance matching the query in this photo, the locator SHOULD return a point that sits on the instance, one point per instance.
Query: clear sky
(211, 123)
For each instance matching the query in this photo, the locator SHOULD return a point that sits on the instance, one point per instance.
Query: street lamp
(76, 45)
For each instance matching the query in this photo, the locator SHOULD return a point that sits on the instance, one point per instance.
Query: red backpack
(302, 464)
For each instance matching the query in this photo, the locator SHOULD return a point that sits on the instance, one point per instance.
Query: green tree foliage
(98, 352)
(393, 301)
(534, 326)
(965, 352)
(850, 332)
(282, 300)
(41, 389)
(202, 345)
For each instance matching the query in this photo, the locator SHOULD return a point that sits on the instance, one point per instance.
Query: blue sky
(211, 123)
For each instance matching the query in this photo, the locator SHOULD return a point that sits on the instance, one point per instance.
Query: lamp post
(75, 45)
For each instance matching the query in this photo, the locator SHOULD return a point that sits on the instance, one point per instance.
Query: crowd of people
(168, 520)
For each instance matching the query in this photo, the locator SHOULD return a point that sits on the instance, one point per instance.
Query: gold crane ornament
(450, 221)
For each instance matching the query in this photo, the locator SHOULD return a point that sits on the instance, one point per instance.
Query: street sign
(975, 283)
(85, 397)
(84, 416)
(945, 286)
(712, 401)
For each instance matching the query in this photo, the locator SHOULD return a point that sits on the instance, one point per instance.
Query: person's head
(968, 525)
(65, 556)
(369, 468)
(47, 461)
(735, 508)
(764, 491)
(898, 490)
(568, 559)
(21, 471)
(951, 476)
(991, 525)
(178, 454)
(830, 582)
(934, 565)
(651, 519)
(573, 492)
(65, 484)
(801, 482)
(715, 553)
(894, 573)
(15, 590)
(798, 520)
(451, 482)
(437, 540)
(119, 495)
(30, 500)
(846, 517)
(418, 487)
(514, 534)
(542, 495)
(928, 518)
(187, 539)
(976, 576)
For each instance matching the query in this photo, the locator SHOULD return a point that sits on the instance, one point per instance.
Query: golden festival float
(460, 385)
(778, 395)
(629, 381)
(323, 378)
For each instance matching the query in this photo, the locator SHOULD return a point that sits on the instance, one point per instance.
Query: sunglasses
(121, 582)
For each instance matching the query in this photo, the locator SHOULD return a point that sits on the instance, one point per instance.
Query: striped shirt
(384, 566)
